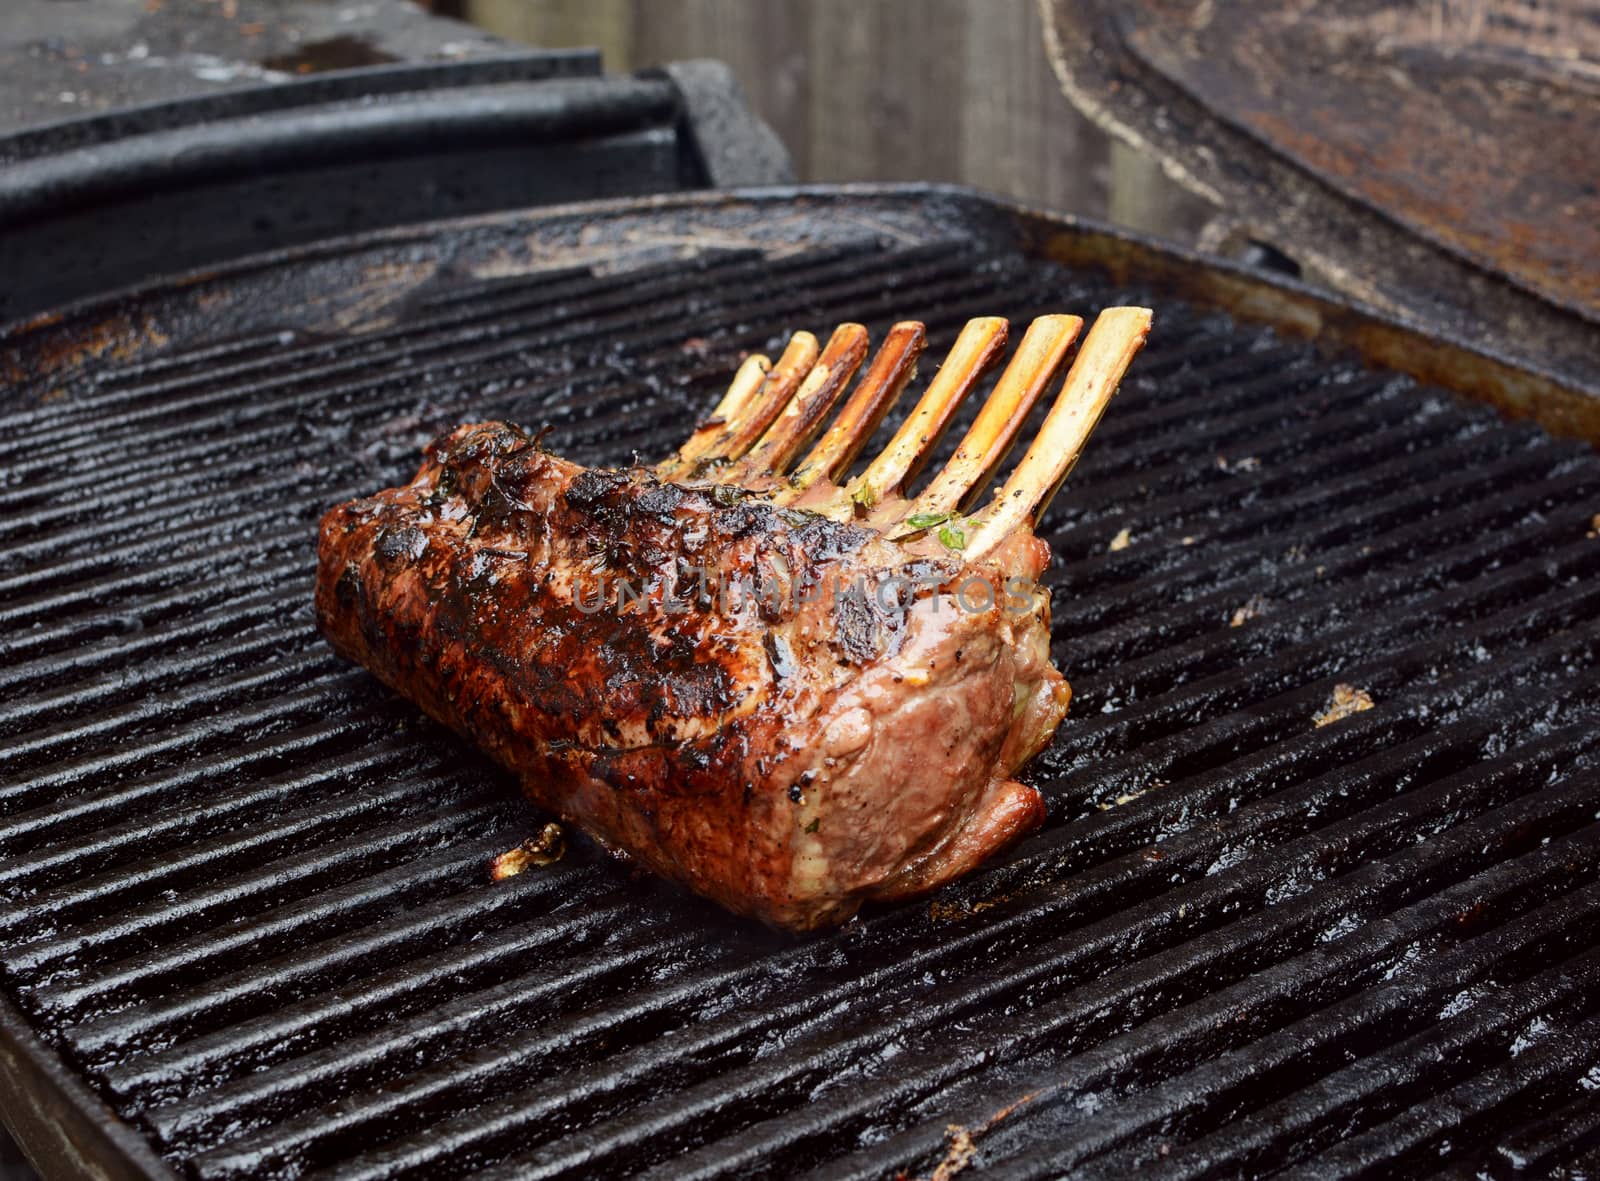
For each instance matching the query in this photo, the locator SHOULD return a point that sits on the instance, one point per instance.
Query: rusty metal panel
(1437, 160)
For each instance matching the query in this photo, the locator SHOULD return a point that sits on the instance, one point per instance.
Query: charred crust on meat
(780, 655)
(856, 631)
(348, 586)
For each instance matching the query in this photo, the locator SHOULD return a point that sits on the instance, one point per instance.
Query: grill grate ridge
(244, 889)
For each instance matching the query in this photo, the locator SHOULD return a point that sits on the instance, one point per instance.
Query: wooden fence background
(942, 90)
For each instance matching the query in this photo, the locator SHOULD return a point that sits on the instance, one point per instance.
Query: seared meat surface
(791, 692)
(828, 717)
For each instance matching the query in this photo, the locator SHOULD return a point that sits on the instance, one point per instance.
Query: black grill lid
(138, 141)
(244, 901)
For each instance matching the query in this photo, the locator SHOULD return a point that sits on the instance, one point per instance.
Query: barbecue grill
(248, 924)
(1319, 885)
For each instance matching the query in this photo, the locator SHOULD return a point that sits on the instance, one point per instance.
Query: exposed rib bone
(772, 412)
(803, 416)
(751, 415)
(876, 392)
(1040, 354)
(744, 387)
(975, 350)
(1117, 335)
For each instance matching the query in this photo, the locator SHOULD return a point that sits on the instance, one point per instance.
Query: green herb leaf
(865, 495)
(816, 822)
(796, 518)
(952, 537)
(926, 520)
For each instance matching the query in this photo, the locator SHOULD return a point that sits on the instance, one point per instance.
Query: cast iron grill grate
(244, 890)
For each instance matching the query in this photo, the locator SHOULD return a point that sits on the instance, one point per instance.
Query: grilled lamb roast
(788, 692)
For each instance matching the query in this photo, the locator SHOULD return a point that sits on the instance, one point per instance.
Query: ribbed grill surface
(244, 889)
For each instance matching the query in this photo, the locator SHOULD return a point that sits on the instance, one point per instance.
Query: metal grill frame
(58, 1118)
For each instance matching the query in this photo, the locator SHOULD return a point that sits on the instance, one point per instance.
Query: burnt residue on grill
(332, 53)
(245, 893)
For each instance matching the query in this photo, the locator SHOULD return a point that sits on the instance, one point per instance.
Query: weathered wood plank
(940, 90)
(1020, 134)
(765, 42)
